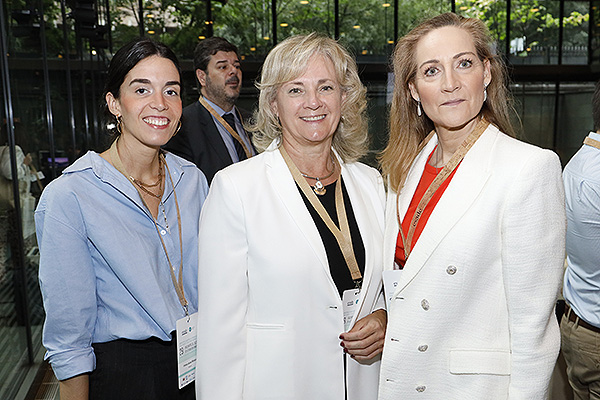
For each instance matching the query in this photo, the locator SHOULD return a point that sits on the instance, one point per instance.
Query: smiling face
(222, 81)
(450, 79)
(149, 102)
(309, 107)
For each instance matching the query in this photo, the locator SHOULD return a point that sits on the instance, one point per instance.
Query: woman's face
(149, 102)
(450, 78)
(309, 107)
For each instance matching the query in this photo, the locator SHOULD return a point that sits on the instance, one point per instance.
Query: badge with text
(186, 349)
(390, 284)
(350, 304)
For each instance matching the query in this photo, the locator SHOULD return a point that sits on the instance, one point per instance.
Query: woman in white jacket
(281, 261)
(474, 237)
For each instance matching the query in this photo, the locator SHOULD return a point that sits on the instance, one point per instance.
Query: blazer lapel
(283, 183)
(213, 137)
(368, 225)
(467, 183)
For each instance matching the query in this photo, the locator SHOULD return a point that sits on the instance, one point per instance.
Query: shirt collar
(594, 135)
(218, 109)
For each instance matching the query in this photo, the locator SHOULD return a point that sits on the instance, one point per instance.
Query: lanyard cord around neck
(342, 236)
(177, 283)
(457, 157)
(228, 127)
(592, 142)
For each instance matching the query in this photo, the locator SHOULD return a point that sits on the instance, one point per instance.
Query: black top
(337, 264)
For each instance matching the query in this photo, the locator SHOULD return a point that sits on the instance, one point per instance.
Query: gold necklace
(319, 188)
(143, 186)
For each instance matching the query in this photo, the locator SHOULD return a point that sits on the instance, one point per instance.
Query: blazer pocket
(269, 363)
(265, 326)
(492, 362)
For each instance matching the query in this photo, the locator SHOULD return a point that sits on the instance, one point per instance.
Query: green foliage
(535, 20)
(366, 26)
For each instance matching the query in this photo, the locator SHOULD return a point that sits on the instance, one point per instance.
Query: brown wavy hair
(407, 130)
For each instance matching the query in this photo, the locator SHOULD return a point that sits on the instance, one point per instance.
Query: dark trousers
(130, 369)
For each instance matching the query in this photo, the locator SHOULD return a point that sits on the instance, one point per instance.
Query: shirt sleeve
(533, 240)
(67, 283)
(222, 294)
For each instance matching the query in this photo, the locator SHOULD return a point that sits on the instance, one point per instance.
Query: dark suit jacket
(200, 142)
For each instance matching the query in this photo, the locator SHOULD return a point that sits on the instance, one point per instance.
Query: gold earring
(178, 127)
(119, 123)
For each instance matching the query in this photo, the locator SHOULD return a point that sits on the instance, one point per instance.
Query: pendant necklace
(319, 188)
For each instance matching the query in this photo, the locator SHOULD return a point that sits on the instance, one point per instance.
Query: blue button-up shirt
(582, 189)
(103, 272)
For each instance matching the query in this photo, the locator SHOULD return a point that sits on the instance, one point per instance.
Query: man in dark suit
(212, 135)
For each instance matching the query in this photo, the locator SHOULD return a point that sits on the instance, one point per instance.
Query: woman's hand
(365, 340)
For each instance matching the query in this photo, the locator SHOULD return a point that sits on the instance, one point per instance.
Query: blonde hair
(287, 61)
(407, 129)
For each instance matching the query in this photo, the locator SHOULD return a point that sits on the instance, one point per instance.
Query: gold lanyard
(457, 157)
(116, 160)
(231, 131)
(342, 235)
(592, 142)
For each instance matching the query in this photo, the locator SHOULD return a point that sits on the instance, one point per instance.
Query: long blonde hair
(407, 129)
(286, 62)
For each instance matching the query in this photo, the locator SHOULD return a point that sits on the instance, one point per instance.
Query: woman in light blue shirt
(118, 242)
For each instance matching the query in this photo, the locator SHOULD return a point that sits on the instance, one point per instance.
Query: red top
(427, 178)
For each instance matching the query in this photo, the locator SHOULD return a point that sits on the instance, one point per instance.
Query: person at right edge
(580, 325)
(474, 285)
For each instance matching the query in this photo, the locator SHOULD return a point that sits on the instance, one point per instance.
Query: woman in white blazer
(474, 284)
(272, 275)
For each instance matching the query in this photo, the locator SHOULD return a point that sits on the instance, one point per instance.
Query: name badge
(186, 349)
(390, 284)
(350, 304)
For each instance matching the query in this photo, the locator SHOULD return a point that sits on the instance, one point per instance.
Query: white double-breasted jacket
(473, 314)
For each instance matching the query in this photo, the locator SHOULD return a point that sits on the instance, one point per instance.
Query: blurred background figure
(212, 133)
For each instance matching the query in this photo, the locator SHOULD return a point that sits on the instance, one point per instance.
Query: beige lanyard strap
(231, 131)
(457, 157)
(342, 235)
(116, 160)
(592, 142)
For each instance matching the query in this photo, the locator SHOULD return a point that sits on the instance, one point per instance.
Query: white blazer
(270, 314)
(472, 316)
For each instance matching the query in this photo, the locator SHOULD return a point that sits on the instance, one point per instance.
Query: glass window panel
(493, 13)
(575, 32)
(305, 16)
(595, 33)
(247, 24)
(534, 31)
(19, 292)
(534, 103)
(574, 118)
(367, 27)
(182, 24)
(411, 12)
